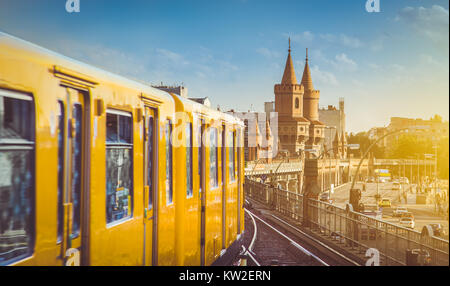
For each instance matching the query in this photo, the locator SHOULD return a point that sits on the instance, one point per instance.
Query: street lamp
(350, 146)
(373, 144)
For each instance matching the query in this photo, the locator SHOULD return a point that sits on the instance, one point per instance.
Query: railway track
(269, 240)
(269, 246)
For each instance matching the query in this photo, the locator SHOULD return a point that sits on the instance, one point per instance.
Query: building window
(169, 163)
(16, 176)
(189, 187)
(297, 103)
(231, 160)
(119, 166)
(213, 160)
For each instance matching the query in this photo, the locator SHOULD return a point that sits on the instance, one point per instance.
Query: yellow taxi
(385, 203)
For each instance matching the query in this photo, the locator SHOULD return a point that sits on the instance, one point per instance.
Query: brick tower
(311, 110)
(293, 128)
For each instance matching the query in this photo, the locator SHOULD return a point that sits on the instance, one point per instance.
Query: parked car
(370, 180)
(404, 180)
(385, 203)
(407, 214)
(407, 222)
(396, 186)
(399, 211)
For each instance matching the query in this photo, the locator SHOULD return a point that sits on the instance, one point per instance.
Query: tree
(362, 138)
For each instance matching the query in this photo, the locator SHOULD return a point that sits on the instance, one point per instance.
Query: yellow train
(96, 169)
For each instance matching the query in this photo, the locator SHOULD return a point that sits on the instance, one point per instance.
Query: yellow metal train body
(96, 169)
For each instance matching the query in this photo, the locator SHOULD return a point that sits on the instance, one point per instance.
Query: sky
(386, 64)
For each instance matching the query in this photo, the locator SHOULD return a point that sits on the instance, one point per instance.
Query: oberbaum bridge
(292, 166)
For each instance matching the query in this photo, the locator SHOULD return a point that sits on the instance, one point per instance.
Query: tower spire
(289, 72)
(306, 79)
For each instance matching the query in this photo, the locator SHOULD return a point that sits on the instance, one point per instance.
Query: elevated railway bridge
(288, 173)
(342, 233)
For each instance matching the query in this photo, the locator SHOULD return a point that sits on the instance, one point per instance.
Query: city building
(202, 100)
(331, 116)
(297, 106)
(258, 138)
(179, 90)
(433, 129)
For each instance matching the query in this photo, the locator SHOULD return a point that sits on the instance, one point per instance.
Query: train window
(231, 161)
(60, 208)
(189, 187)
(16, 176)
(213, 160)
(119, 166)
(76, 169)
(169, 183)
(150, 162)
(200, 154)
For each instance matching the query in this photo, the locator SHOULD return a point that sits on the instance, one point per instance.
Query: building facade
(334, 117)
(297, 106)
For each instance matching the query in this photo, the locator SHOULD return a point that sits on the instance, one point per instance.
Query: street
(423, 213)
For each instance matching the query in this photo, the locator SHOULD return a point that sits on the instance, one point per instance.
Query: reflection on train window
(169, 183)
(60, 169)
(150, 161)
(231, 160)
(76, 169)
(213, 176)
(189, 187)
(119, 166)
(200, 154)
(16, 176)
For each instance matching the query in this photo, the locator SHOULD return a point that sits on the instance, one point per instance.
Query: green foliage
(409, 146)
(362, 138)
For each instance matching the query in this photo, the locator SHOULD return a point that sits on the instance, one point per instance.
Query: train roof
(44, 56)
(194, 106)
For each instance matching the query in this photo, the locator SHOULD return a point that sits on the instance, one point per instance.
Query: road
(423, 214)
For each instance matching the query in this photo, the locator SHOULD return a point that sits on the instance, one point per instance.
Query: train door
(224, 185)
(75, 169)
(202, 190)
(150, 187)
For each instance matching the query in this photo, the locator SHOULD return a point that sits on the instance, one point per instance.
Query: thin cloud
(343, 62)
(343, 40)
(268, 53)
(306, 37)
(431, 23)
(323, 77)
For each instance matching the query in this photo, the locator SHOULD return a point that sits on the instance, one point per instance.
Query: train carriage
(93, 170)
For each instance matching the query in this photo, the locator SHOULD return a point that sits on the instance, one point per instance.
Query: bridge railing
(360, 232)
(354, 231)
(287, 203)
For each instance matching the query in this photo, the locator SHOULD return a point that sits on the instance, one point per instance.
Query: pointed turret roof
(306, 79)
(343, 137)
(337, 138)
(289, 72)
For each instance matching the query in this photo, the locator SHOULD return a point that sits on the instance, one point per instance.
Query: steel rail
(317, 241)
(298, 246)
